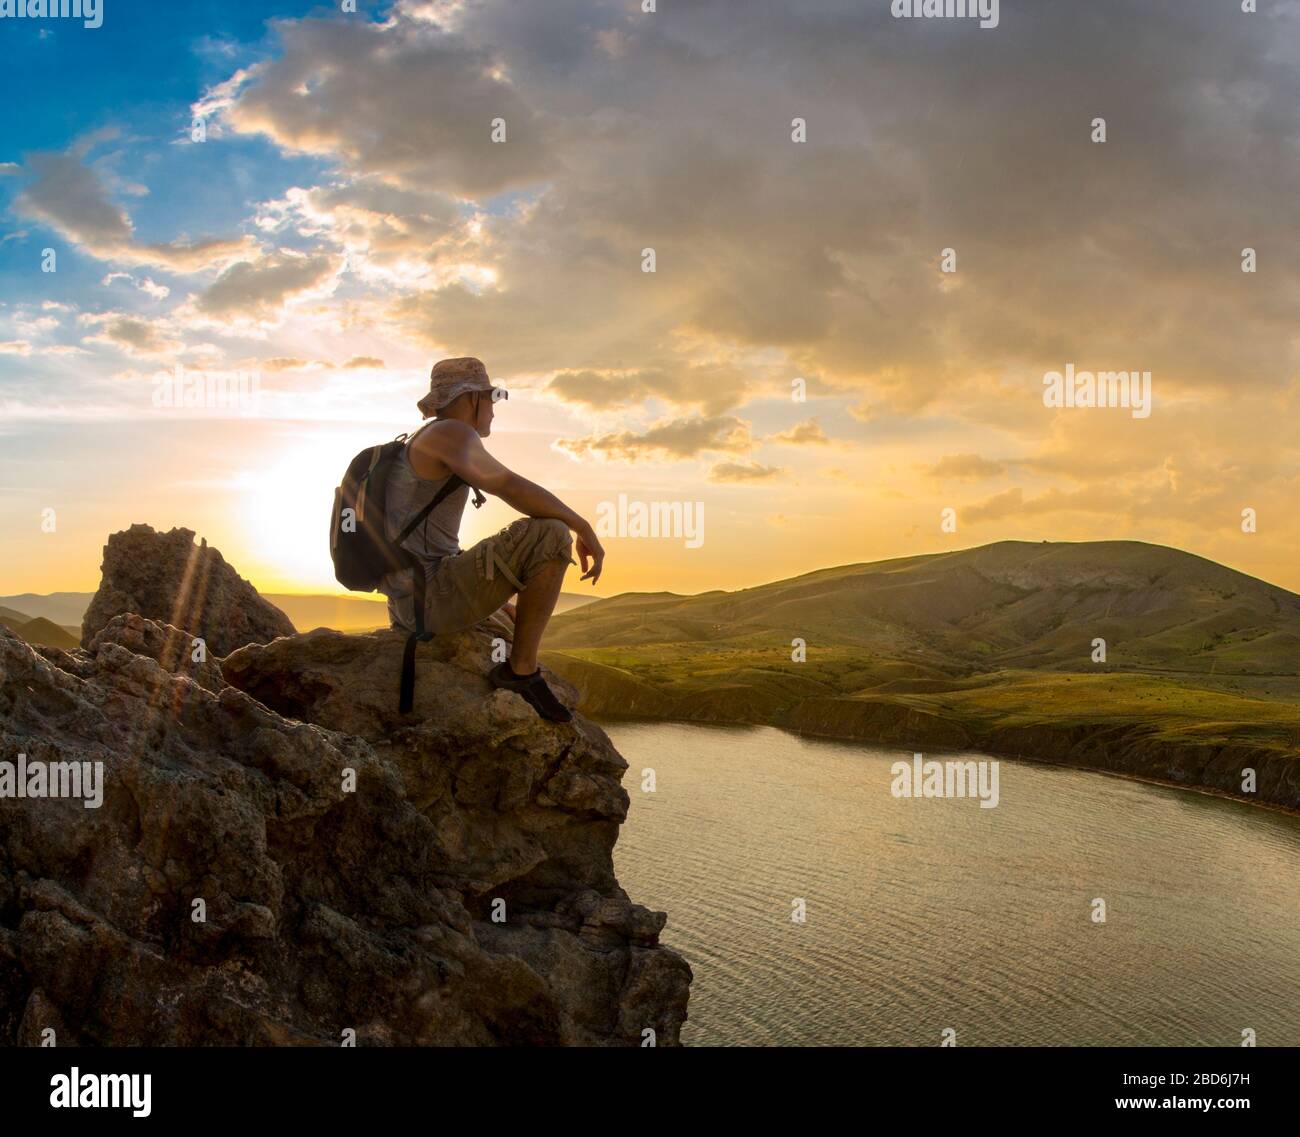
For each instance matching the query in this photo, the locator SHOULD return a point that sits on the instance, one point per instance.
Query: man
(527, 559)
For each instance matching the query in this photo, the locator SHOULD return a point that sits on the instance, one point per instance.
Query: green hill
(1011, 604)
(40, 631)
(990, 647)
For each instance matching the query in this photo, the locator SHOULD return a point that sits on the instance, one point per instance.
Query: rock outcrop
(167, 578)
(280, 858)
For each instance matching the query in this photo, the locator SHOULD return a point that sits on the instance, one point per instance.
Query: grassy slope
(987, 648)
(40, 631)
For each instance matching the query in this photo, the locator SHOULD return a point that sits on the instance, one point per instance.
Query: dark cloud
(408, 103)
(966, 467)
(713, 387)
(806, 433)
(257, 289)
(678, 438)
(743, 472)
(68, 196)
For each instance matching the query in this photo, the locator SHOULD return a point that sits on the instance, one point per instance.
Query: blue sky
(136, 77)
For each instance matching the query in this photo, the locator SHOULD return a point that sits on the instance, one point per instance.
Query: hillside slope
(989, 648)
(1010, 604)
(40, 631)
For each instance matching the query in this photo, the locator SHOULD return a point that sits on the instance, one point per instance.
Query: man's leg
(532, 613)
(530, 556)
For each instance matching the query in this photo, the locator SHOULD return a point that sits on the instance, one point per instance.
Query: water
(930, 914)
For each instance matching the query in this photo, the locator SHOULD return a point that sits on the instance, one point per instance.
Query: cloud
(743, 472)
(15, 347)
(966, 467)
(712, 386)
(824, 251)
(144, 284)
(404, 101)
(135, 335)
(674, 439)
(806, 433)
(358, 361)
(30, 325)
(282, 363)
(394, 237)
(259, 289)
(70, 198)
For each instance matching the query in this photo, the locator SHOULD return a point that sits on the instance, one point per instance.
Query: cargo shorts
(470, 586)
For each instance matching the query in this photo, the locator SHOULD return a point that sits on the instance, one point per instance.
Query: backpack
(359, 545)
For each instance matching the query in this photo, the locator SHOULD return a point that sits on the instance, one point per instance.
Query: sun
(288, 507)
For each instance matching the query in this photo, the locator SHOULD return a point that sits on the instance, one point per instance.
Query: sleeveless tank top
(436, 537)
(439, 534)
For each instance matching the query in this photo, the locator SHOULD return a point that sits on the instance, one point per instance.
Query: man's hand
(589, 548)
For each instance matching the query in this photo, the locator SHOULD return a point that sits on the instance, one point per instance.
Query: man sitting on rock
(527, 559)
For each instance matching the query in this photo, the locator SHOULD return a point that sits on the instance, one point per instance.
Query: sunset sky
(347, 219)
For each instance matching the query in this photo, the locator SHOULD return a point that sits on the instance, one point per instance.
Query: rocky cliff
(280, 858)
(170, 579)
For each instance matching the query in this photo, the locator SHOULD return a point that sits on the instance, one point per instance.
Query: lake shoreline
(989, 916)
(602, 717)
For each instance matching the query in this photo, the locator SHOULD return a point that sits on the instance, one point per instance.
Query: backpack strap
(453, 483)
(406, 687)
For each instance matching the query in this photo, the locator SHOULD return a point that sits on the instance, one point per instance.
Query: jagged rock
(171, 647)
(167, 578)
(329, 907)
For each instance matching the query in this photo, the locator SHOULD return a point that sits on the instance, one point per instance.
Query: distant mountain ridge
(37, 631)
(306, 611)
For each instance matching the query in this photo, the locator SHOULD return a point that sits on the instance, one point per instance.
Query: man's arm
(456, 446)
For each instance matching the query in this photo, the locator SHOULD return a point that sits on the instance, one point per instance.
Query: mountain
(354, 613)
(1011, 604)
(57, 607)
(41, 631)
(991, 647)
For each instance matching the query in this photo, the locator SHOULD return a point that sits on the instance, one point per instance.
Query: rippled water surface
(929, 914)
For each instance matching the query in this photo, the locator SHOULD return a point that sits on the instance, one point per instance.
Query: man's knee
(550, 529)
(552, 537)
(550, 544)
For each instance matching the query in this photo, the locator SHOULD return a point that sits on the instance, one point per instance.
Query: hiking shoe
(534, 690)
